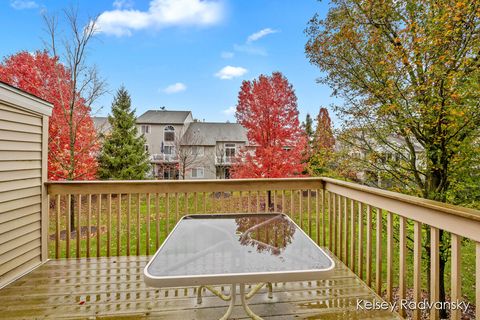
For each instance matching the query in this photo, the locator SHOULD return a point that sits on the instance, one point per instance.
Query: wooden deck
(114, 288)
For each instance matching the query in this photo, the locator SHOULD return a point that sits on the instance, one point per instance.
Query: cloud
(229, 111)
(229, 72)
(161, 13)
(250, 49)
(260, 34)
(175, 88)
(23, 4)
(227, 55)
(122, 4)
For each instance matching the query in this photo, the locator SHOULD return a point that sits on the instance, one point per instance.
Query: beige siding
(20, 192)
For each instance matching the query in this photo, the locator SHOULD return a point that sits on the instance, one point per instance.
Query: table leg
(232, 302)
(243, 297)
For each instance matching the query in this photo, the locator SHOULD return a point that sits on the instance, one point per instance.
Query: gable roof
(164, 117)
(210, 133)
(101, 124)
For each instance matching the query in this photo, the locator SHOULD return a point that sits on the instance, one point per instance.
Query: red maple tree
(267, 108)
(46, 78)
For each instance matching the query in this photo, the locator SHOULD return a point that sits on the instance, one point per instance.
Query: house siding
(23, 138)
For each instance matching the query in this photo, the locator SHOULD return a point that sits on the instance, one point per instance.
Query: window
(230, 150)
(197, 172)
(146, 148)
(145, 128)
(197, 150)
(168, 150)
(169, 133)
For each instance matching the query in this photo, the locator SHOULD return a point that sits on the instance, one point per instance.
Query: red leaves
(267, 108)
(45, 77)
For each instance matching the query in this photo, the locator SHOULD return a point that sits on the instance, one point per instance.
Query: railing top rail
(163, 186)
(417, 201)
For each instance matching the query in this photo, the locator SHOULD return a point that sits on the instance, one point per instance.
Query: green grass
(233, 203)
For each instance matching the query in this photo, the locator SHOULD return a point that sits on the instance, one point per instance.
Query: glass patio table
(236, 249)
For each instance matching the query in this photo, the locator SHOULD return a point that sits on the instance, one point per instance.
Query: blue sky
(185, 54)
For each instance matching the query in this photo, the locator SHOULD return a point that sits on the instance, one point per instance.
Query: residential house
(181, 147)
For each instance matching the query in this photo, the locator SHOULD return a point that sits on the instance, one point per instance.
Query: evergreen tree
(123, 155)
(308, 126)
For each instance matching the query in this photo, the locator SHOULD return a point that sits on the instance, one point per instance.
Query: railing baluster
(352, 234)
(240, 206)
(283, 201)
(360, 240)
(89, 221)
(157, 221)
(330, 221)
(477, 279)
(195, 195)
(274, 200)
(267, 201)
(456, 283)
(109, 223)
(258, 202)
(369, 246)
(324, 212)
(99, 224)
(185, 197)
(119, 223)
(204, 202)
(176, 206)
(138, 224)
(69, 231)
(434, 269)
(402, 279)
(57, 227)
(389, 255)
(167, 211)
(345, 229)
(309, 220)
(147, 226)
(300, 207)
(79, 231)
(417, 267)
(249, 202)
(291, 204)
(334, 205)
(129, 212)
(340, 225)
(317, 216)
(378, 253)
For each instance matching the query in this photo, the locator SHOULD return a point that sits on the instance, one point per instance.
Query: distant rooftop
(212, 132)
(101, 124)
(163, 117)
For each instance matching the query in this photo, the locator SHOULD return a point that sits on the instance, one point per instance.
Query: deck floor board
(113, 288)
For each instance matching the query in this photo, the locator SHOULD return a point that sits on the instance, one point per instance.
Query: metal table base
(244, 296)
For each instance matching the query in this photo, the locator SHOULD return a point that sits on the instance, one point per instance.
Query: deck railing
(377, 233)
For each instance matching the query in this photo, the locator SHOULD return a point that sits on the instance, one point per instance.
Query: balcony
(224, 160)
(162, 157)
(374, 236)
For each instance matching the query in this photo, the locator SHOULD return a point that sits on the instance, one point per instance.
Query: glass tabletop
(221, 244)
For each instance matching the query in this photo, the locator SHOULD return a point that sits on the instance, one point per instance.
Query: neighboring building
(179, 145)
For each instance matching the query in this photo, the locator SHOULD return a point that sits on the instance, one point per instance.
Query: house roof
(210, 133)
(163, 117)
(24, 100)
(101, 124)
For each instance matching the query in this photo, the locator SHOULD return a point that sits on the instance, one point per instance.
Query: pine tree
(123, 155)
(308, 126)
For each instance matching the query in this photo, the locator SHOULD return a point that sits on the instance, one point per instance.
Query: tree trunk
(269, 201)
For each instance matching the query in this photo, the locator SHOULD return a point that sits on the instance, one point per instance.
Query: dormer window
(169, 133)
